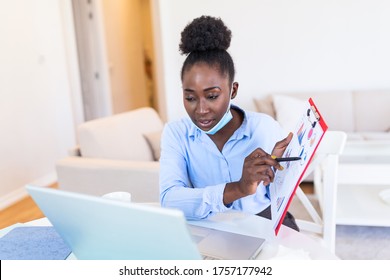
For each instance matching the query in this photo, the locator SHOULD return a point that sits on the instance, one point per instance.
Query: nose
(202, 107)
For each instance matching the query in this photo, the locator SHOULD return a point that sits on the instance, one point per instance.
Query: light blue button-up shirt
(193, 172)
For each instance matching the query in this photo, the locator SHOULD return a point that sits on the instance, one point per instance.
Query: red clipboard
(308, 134)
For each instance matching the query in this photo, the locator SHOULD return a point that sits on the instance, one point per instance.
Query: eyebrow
(204, 90)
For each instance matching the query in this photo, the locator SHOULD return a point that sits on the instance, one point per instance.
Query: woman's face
(206, 95)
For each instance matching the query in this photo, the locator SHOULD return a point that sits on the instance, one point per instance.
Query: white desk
(289, 244)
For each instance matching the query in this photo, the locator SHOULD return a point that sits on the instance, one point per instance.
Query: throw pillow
(288, 110)
(265, 105)
(153, 139)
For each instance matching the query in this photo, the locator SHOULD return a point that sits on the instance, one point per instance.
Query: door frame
(92, 59)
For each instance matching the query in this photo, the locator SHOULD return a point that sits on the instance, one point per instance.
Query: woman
(220, 157)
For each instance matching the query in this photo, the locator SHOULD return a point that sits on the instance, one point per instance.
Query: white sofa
(363, 115)
(116, 153)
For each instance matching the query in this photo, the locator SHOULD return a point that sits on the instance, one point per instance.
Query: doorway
(115, 50)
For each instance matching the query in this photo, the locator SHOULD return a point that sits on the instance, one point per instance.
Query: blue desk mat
(33, 243)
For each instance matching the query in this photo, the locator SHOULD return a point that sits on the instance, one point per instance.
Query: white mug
(121, 196)
(385, 196)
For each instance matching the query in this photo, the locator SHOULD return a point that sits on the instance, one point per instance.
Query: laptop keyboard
(209, 258)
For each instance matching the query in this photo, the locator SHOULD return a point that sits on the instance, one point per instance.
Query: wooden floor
(23, 211)
(307, 188)
(26, 209)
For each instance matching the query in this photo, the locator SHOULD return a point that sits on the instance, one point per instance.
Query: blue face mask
(223, 121)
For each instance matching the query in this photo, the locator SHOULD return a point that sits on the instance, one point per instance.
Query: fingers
(257, 153)
(267, 177)
(284, 142)
(265, 159)
(258, 166)
(281, 146)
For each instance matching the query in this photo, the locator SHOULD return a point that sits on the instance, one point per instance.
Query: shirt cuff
(214, 198)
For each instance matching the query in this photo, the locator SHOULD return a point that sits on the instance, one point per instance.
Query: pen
(287, 159)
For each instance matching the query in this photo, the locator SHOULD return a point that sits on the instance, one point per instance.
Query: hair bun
(203, 34)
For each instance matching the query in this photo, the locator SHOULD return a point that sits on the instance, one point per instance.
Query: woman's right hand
(257, 168)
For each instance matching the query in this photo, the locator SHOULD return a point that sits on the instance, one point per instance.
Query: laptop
(100, 228)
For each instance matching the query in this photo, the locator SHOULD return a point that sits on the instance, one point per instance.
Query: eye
(189, 98)
(213, 96)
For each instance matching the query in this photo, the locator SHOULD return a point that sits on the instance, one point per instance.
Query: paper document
(307, 135)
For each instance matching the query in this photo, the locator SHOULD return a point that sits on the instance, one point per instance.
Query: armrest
(101, 176)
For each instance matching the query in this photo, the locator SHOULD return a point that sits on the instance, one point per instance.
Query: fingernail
(281, 168)
(273, 157)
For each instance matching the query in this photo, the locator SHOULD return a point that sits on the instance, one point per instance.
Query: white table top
(288, 244)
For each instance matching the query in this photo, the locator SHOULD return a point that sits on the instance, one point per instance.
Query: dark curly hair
(206, 39)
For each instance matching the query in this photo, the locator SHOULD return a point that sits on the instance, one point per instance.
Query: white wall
(36, 92)
(286, 45)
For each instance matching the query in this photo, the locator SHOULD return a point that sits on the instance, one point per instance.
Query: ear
(234, 90)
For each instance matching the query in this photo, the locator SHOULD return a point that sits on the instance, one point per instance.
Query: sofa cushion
(355, 136)
(120, 136)
(372, 110)
(376, 136)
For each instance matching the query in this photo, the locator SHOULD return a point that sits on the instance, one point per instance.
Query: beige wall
(123, 32)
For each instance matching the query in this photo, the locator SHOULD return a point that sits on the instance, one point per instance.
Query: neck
(221, 137)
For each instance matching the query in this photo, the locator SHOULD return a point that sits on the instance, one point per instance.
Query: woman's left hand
(282, 145)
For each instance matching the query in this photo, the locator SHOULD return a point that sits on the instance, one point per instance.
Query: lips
(205, 124)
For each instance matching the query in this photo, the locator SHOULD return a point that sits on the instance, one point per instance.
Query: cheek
(223, 106)
(188, 107)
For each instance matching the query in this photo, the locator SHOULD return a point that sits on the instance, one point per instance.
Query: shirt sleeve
(175, 186)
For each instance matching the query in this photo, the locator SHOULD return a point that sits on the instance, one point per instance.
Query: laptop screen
(100, 228)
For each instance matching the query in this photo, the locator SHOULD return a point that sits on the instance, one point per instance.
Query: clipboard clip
(315, 115)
